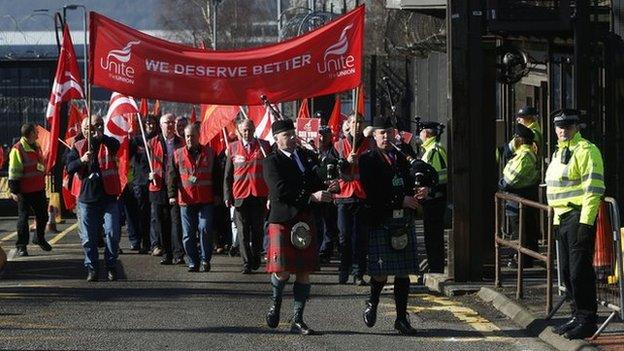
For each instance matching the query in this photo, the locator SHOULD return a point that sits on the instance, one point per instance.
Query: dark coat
(377, 178)
(289, 189)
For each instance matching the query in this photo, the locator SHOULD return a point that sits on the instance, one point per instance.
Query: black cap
(522, 131)
(381, 122)
(527, 111)
(282, 125)
(429, 125)
(566, 117)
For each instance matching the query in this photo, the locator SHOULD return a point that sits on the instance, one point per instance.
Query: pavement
(46, 304)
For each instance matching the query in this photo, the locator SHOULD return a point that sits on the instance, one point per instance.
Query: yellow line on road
(62, 234)
(9, 237)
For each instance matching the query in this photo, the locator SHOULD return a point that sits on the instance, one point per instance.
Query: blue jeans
(92, 217)
(197, 219)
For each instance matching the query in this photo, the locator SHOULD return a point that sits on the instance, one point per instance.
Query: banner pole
(147, 151)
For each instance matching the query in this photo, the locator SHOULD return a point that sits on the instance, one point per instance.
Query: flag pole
(355, 104)
(147, 151)
(255, 137)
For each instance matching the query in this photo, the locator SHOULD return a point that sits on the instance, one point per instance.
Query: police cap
(527, 111)
(565, 117)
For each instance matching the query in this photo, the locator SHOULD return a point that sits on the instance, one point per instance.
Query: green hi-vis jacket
(522, 171)
(435, 155)
(578, 184)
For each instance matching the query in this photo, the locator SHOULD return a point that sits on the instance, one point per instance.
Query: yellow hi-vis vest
(578, 184)
(435, 155)
(521, 171)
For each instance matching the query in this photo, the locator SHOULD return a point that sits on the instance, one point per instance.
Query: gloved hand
(585, 234)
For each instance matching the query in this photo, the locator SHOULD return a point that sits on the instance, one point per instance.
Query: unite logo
(335, 62)
(116, 63)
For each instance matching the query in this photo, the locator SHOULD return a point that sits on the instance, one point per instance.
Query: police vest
(195, 176)
(352, 186)
(108, 169)
(248, 179)
(33, 176)
(432, 149)
(577, 183)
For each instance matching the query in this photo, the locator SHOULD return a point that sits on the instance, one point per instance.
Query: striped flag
(121, 115)
(263, 119)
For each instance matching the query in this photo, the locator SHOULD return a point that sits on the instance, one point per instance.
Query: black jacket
(139, 161)
(289, 189)
(377, 178)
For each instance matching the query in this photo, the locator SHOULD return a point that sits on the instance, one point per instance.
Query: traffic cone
(603, 253)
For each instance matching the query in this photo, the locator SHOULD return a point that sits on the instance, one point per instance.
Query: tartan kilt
(384, 260)
(283, 256)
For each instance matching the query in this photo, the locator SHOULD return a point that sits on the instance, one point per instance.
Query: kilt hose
(283, 256)
(384, 260)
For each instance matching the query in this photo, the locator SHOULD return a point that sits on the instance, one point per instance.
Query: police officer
(521, 176)
(293, 185)
(165, 218)
(391, 201)
(575, 186)
(245, 189)
(435, 205)
(528, 117)
(194, 184)
(27, 186)
(100, 188)
(349, 200)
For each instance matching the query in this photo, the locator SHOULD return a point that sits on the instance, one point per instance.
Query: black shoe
(402, 325)
(566, 326)
(43, 244)
(359, 281)
(246, 270)
(22, 252)
(204, 266)
(112, 274)
(256, 265)
(234, 251)
(135, 248)
(273, 316)
(92, 276)
(370, 314)
(301, 328)
(179, 260)
(193, 269)
(343, 277)
(165, 261)
(582, 330)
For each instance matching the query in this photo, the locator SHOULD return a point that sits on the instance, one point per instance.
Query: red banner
(324, 61)
(308, 128)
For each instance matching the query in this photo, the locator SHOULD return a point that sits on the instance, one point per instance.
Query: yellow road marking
(62, 234)
(9, 237)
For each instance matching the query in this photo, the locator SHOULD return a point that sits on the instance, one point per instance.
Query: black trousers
(38, 203)
(249, 220)
(433, 220)
(576, 257)
(137, 206)
(353, 238)
(168, 228)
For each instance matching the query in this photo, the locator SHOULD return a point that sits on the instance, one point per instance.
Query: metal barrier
(499, 241)
(609, 280)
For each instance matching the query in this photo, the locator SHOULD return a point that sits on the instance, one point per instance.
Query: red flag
(43, 140)
(361, 107)
(304, 111)
(335, 120)
(74, 122)
(156, 110)
(193, 117)
(66, 86)
(263, 119)
(143, 108)
(68, 199)
(213, 119)
(122, 110)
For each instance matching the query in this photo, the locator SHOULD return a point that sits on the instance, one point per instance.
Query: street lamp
(85, 52)
(44, 12)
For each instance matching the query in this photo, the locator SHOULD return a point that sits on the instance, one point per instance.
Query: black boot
(273, 316)
(301, 293)
(401, 293)
(567, 325)
(370, 311)
(92, 275)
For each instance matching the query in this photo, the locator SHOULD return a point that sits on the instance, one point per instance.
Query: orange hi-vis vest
(248, 179)
(108, 169)
(195, 176)
(351, 186)
(33, 175)
(158, 164)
